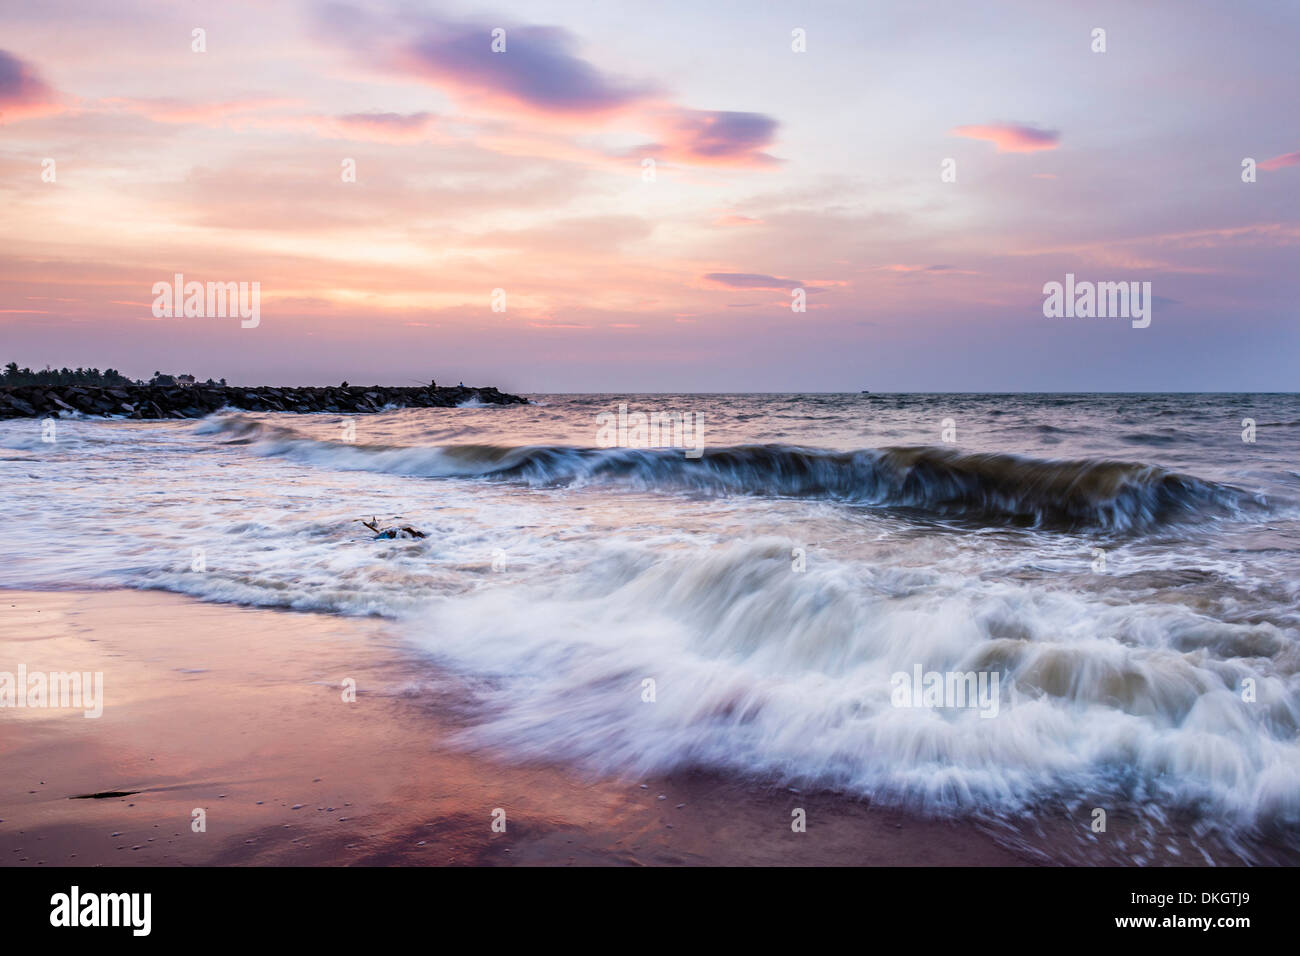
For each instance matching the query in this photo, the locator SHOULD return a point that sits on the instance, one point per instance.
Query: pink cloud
(930, 270)
(260, 112)
(1281, 162)
(167, 110)
(378, 127)
(1011, 137)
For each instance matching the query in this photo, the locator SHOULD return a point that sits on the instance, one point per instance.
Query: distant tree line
(13, 375)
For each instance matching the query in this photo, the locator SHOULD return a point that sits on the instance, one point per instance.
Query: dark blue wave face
(1196, 434)
(1200, 435)
(1116, 463)
(1110, 495)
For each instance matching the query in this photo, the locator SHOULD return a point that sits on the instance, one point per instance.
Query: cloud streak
(171, 110)
(380, 127)
(1281, 162)
(1011, 137)
(751, 280)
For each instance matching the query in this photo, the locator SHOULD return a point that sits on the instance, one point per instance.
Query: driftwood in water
(405, 531)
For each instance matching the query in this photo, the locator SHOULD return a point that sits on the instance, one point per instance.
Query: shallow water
(1126, 565)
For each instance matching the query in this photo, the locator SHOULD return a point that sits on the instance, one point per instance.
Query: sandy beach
(240, 712)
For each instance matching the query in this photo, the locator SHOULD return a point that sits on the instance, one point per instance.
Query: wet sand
(240, 712)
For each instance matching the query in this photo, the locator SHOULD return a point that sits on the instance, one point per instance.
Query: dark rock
(195, 401)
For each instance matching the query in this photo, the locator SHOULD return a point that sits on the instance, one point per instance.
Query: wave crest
(1078, 494)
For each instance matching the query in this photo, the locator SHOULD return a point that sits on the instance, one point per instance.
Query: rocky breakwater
(195, 401)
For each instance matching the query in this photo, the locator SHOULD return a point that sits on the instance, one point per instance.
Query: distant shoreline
(196, 401)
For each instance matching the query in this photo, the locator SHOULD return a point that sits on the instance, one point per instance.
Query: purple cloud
(754, 280)
(720, 136)
(22, 91)
(539, 68)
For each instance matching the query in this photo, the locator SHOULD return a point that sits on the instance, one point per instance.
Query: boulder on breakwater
(195, 401)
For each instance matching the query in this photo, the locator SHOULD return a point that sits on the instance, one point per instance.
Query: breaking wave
(788, 676)
(1080, 494)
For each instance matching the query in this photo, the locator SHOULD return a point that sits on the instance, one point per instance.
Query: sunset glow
(526, 170)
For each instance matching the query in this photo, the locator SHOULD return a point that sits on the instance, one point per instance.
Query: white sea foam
(761, 670)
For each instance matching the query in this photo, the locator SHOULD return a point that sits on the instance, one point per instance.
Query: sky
(638, 189)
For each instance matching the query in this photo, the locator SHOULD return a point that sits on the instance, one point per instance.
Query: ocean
(1121, 572)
